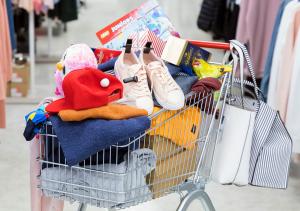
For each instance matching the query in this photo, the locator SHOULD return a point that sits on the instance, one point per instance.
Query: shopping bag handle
(242, 51)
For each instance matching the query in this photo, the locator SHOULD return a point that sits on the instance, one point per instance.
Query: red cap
(87, 88)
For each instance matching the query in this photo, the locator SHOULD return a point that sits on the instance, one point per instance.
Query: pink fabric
(5, 59)
(37, 5)
(286, 66)
(255, 26)
(25, 4)
(2, 114)
(76, 57)
(38, 201)
(58, 81)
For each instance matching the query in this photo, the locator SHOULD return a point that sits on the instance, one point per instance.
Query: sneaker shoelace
(140, 88)
(156, 68)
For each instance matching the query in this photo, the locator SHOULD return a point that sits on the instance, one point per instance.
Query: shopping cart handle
(216, 45)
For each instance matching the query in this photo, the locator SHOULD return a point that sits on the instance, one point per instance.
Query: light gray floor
(14, 158)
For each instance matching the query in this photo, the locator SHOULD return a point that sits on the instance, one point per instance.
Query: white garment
(293, 111)
(280, 51)
(104, 185)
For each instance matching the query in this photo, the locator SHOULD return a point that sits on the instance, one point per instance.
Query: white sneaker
(166, 91)
(136, 92)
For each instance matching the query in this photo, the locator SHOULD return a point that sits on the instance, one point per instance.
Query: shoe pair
(136, 72)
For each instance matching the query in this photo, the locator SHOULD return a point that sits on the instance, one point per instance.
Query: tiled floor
(14, 157)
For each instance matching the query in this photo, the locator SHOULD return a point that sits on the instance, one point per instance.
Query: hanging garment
(284, 58)
(11, 24)
(231, 20)
(65, 10)
(220, 17)
(207, 14)
(6, 59)
(267, 72)
(25, 4)
(293, 113)
(255, 25)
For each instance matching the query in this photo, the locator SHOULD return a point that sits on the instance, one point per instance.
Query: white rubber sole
(168, 106)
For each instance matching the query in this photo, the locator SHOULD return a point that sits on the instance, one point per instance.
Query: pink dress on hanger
(255, 27)
(5, 59)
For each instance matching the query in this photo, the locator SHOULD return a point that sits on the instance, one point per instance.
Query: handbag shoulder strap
(243, 52)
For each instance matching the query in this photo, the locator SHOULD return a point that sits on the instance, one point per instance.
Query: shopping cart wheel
(196, 194)
(82, 207)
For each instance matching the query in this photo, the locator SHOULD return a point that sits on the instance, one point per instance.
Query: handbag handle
(236, 60)
(243, 52)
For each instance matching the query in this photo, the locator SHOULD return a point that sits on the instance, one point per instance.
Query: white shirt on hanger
(293, 109)
(281, 51)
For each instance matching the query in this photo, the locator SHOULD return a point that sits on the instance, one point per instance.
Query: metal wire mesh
(182, 143)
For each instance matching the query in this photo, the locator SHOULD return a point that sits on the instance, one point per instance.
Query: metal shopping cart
(174, 155)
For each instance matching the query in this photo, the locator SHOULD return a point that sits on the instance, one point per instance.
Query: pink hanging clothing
(255, 26)
(5, 59)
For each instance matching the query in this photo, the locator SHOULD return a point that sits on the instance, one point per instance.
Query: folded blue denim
(79, 140)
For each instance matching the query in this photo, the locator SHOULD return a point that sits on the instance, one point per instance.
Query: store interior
(51, 39)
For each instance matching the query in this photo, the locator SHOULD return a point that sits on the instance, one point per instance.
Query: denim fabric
(79, 140)
(11, 24)
(267, 72)
(109, 65)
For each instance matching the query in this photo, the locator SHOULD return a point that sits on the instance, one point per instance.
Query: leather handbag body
(232, 155)
(271, 145)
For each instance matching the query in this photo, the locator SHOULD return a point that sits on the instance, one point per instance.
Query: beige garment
(287, 67)
(284, 59)
(25, 4)
(5, 58)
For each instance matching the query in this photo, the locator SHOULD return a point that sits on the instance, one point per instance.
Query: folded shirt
(103, 185)
(110, 112)
(79, 140)
(182, 128)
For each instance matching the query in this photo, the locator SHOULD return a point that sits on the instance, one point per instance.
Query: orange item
(110, 111)
(182, 129)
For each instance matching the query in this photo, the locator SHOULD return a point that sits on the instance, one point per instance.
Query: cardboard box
(17, 89)
(174, 165)
(20, 81)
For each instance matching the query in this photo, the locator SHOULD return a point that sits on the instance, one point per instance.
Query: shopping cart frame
(194, 188)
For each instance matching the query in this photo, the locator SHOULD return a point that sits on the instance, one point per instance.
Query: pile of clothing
(100, 107)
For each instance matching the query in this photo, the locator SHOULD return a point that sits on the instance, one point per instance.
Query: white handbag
(232, 154)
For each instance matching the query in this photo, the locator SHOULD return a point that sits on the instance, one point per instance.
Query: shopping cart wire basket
(174, 155)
